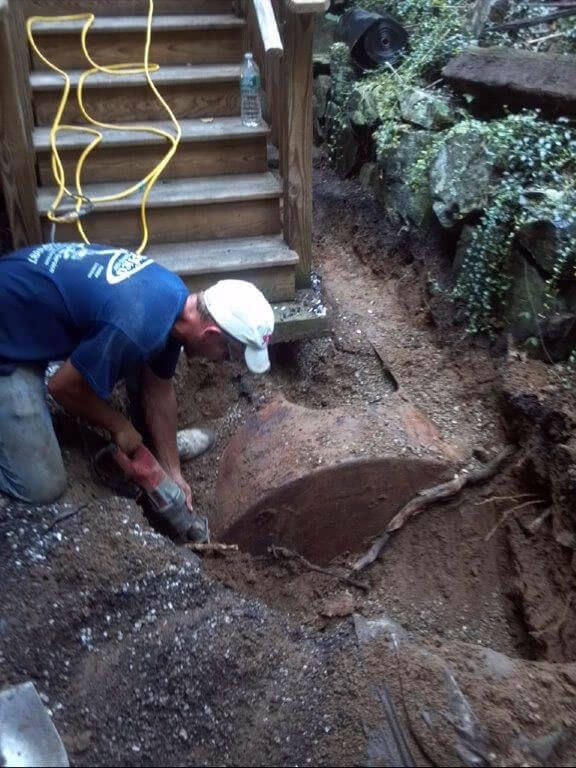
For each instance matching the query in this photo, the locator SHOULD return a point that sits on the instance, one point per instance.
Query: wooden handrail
(288, 84)
(308, 6)
(269, 32)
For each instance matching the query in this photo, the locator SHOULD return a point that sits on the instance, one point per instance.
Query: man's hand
(179, 480)
(127, 439)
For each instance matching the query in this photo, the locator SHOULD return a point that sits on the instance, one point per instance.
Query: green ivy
(534, 160)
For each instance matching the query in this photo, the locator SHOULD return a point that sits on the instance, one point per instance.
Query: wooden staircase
(217, 210)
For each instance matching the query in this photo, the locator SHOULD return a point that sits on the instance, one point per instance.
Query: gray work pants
(31, 467)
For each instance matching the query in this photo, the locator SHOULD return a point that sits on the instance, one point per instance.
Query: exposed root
(508, 512)
(429, 496)
(289, 554)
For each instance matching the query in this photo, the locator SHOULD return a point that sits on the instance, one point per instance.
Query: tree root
(289, 554)
(429, 496)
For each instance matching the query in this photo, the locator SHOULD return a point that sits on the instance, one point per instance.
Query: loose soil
(146, 655)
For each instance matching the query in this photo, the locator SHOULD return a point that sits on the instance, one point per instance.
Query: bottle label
(250, 82)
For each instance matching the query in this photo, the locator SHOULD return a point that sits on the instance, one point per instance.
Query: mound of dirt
(143, 661)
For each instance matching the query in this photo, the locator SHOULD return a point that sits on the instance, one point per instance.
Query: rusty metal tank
(322, 482)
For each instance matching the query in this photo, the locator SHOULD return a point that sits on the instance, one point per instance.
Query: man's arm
(69, 388)
(161, 415)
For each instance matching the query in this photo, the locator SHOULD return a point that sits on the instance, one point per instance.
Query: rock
(559, 334)
(363, 109)
(568, 295)
(369, 175)
(464, 242)
(543, 237)
(526, 299)
(540, 240)
(460, 175)
(484, 11)
(338, 607)
(322, 86)
(426, 109)
(79, 743)
(394, 190)
(516, 77)
(320, 101)
(350, 153)
(321, 64)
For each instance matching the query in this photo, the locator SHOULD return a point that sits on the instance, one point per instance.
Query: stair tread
(49, 81)
(177, 192)
(192, 130)
(214, 256)
(123, 24)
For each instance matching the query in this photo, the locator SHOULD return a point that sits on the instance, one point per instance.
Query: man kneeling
(111, 315)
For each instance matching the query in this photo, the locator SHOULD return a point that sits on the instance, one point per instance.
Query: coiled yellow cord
(57, 167)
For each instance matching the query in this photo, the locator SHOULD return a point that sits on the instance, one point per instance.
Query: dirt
(146, 655)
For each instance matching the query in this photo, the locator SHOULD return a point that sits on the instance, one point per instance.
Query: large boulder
(545, 235)
(396, 190)
(460, 174)
(426, 109)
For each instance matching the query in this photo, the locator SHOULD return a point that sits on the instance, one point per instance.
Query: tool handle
(142, 468)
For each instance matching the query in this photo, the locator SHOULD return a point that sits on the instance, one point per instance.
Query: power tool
(162, 497)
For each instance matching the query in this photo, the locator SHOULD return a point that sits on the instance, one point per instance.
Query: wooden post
(297, 161)
(17, 169)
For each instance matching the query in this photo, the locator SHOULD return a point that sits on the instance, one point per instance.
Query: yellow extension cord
(58, 169)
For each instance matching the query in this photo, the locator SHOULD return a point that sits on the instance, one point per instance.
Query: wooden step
(221, 146)
(267, 262)
(123, 7)
(177, 39)
(192, 92)
(179, 210)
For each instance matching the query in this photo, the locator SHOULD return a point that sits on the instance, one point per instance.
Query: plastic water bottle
(250, 92)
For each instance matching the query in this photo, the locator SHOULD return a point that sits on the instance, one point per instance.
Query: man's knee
(43, 484)
(31, 466)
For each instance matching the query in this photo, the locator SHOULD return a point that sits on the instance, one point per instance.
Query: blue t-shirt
(109, 310)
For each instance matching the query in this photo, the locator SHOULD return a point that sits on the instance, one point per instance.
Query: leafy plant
(536, 159)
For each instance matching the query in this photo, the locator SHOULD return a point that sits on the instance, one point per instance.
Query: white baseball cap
(241, 310)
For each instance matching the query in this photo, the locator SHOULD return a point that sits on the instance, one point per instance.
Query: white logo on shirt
(124, 264)
(53, 253)
(121, 265)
